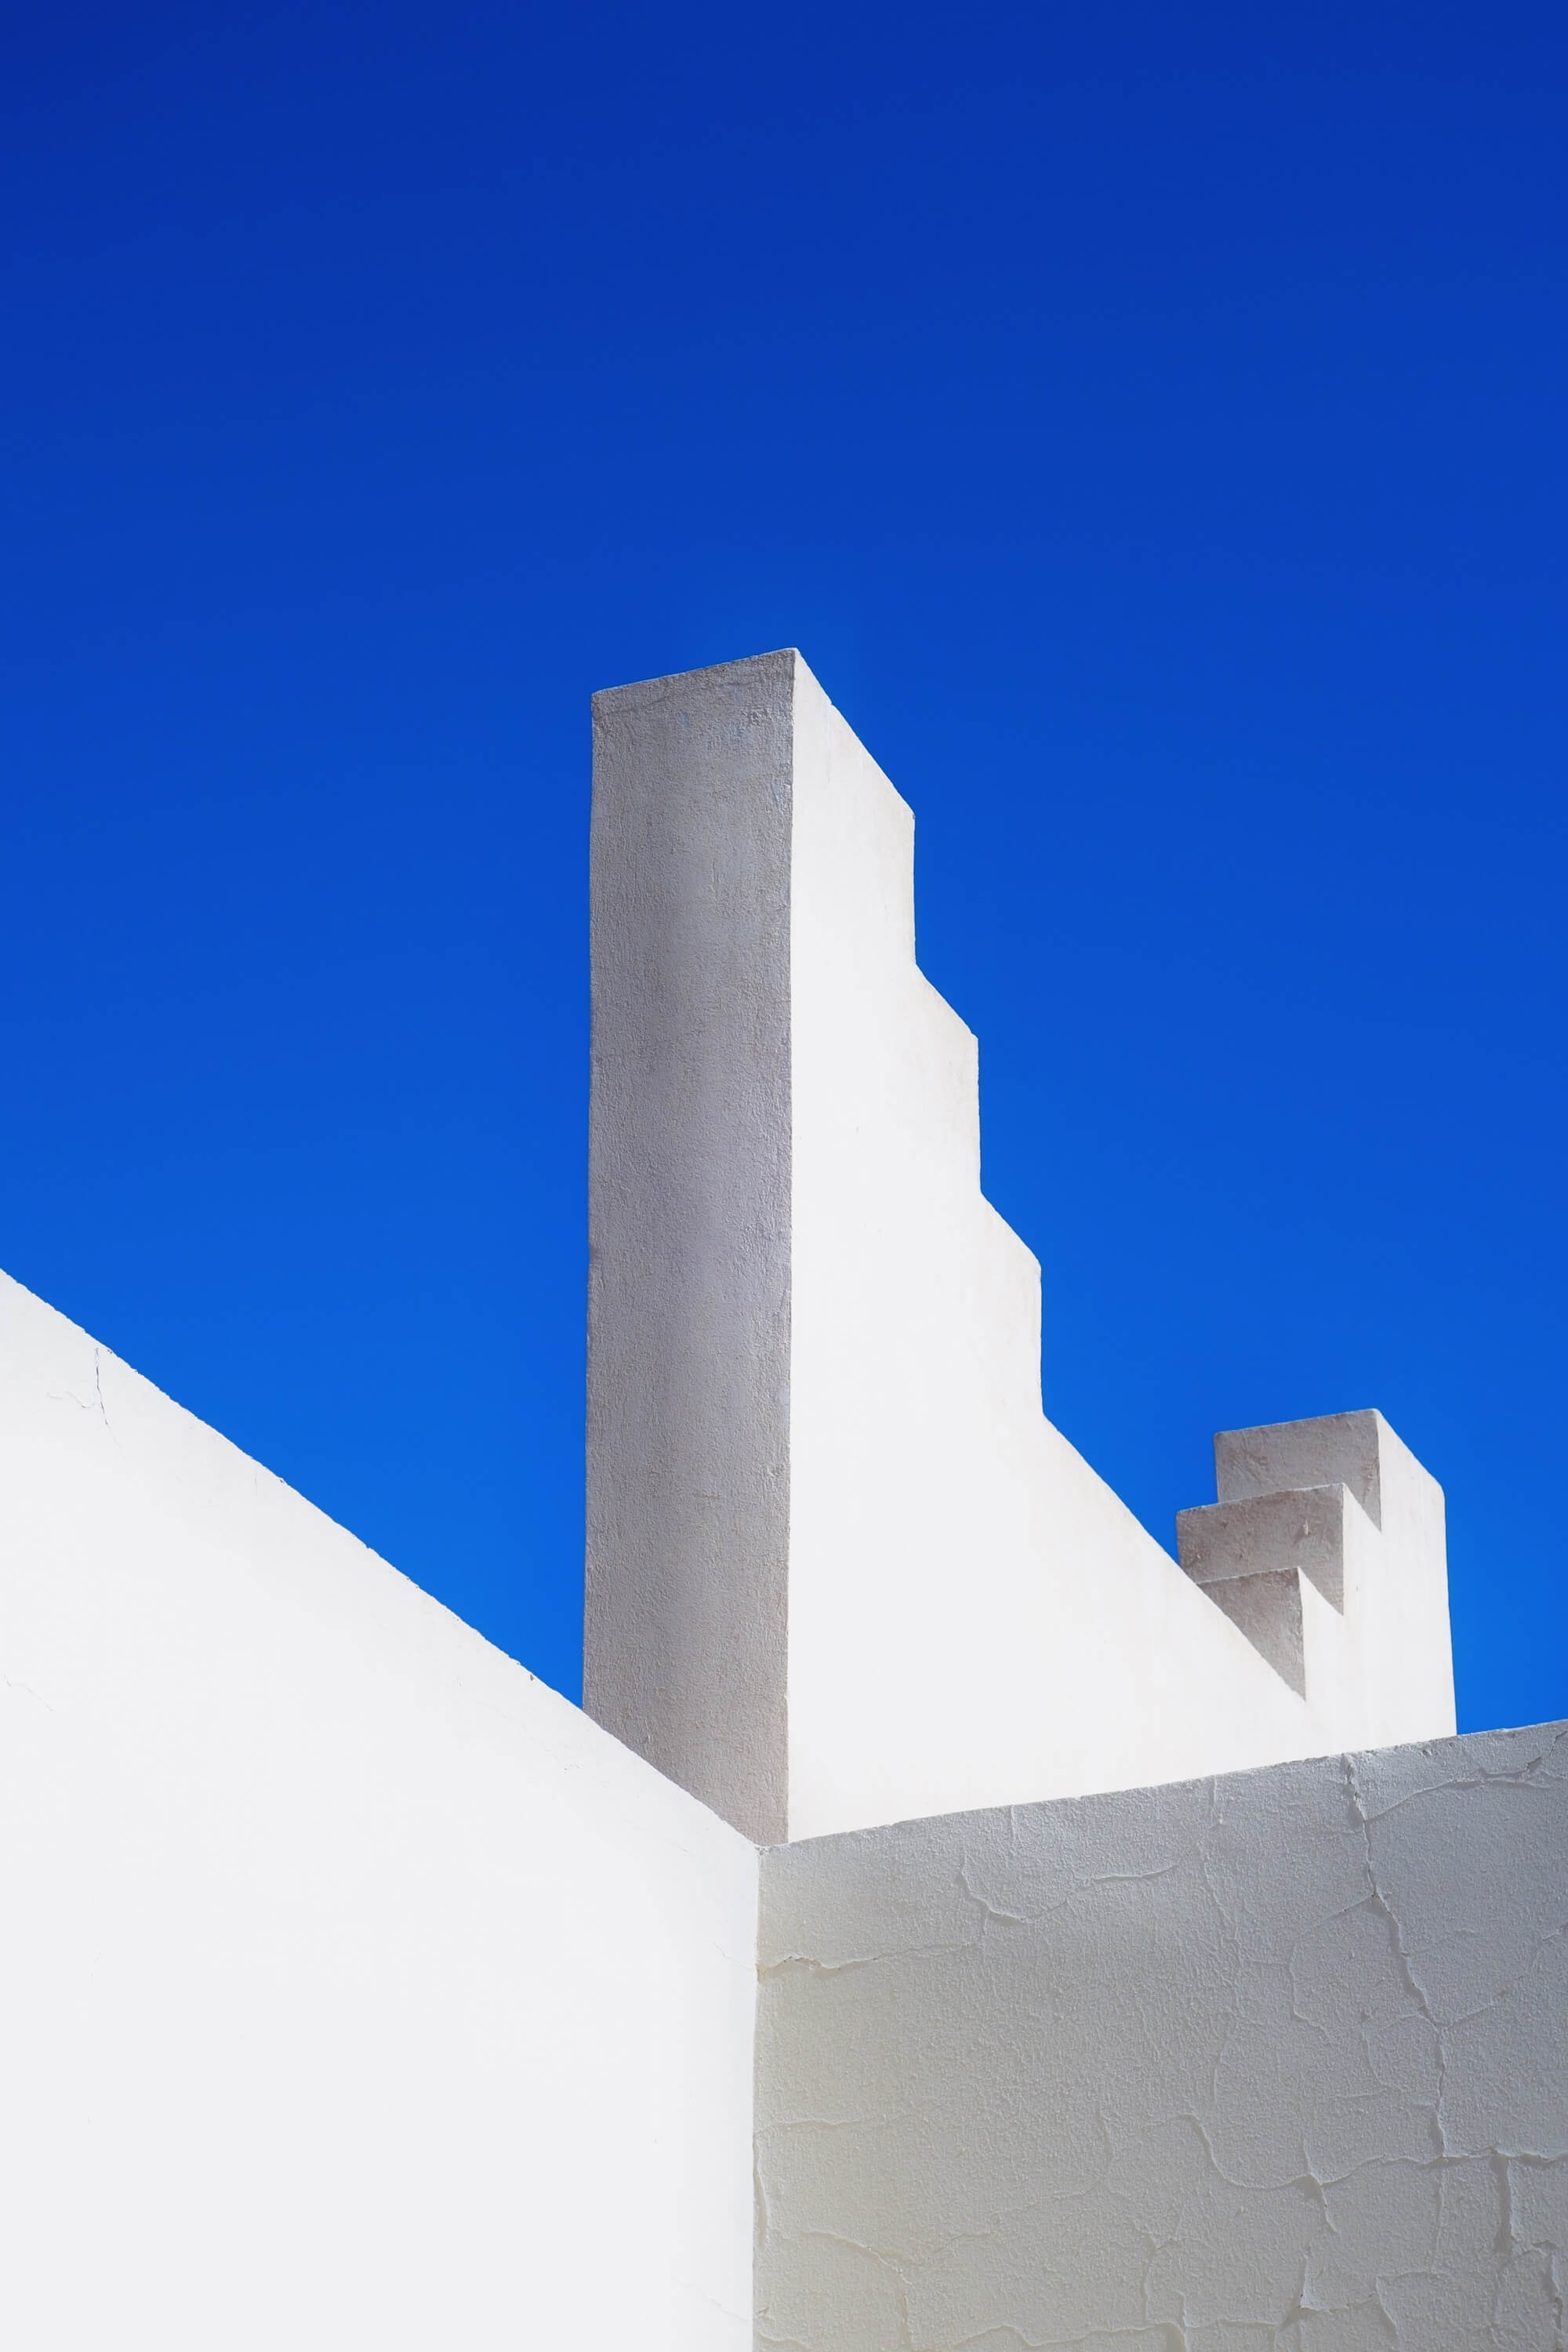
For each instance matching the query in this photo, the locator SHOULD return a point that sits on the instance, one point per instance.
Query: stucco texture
(685, 1595)
(1276, 2063)
(814, 1359)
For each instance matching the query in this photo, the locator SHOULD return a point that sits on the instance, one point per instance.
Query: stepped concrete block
(1303, 1528)
(1267, 1607)
(1342, 1505)
(840, 1568)
(1251, 1557)
(1339, 1449)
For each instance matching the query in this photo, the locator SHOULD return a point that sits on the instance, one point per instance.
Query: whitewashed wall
(355, 1990)
(841, 1569)
(1271, 2064)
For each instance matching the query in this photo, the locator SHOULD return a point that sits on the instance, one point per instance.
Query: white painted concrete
(689, 1230)
(355, 1990)
(841, 1569)
(1272, 2063)
(1327, 1548)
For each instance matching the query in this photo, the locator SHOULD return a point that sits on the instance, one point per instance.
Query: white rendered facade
(359, 1992)
(814, 1413)
(1272, 2063)
(356, 1988)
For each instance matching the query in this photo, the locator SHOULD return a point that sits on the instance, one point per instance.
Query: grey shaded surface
(1249, 1556)
(1276, 2062)
(1266, 1606)
(1336, 1449)
(814, 1403)
(688, 1299)
(1304, 1529)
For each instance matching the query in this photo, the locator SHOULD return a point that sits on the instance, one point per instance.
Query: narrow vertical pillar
(688, 1288)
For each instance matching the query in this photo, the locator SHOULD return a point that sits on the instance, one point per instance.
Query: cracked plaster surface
(1275, 2062)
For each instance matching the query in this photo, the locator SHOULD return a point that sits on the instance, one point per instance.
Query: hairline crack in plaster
(361, 1990)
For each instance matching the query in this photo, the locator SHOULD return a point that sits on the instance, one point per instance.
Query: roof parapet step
(1326, 1550)
(1250, 1555)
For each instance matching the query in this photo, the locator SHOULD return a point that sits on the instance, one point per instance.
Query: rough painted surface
(1336, 1510)
(688, 1230)
(841, 1568)
(1276, 2063)
(354, 1988)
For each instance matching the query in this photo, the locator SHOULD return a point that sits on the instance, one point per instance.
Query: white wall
(686, 1595)
(841, 1568)
(1328, 1548)
(355, 1990)
(1270, 2063)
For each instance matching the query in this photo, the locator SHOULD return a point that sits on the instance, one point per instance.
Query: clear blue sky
(1149, 422)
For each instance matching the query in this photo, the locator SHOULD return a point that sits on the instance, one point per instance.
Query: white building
(953, 1924)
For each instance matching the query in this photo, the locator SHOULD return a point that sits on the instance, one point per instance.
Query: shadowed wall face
(1272, 2063)
(840, 1567)
(688, 1230)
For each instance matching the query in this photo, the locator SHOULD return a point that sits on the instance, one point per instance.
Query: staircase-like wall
(841, 1568)
(1327, 1548)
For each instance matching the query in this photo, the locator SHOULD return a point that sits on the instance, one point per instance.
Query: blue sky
(1148, 422)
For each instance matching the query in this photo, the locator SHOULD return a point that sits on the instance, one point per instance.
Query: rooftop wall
(1276, 2063)
(841, 1569)
(354, 1988)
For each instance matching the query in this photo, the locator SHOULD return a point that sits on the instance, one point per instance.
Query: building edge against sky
(360, 1989)
(840, 1567)
(356, 1987)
